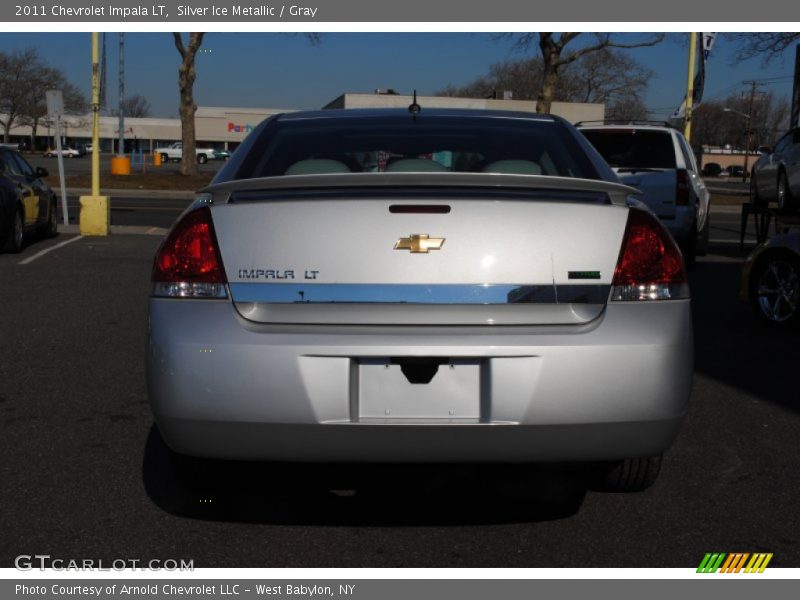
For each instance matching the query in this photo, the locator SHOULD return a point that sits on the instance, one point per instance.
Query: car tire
(16, 233)
(202, 159)
(50, 228)
(629, 475)
(688, 246)
(775, 289)
(755, 198)
(196, 475)
(164, 158)
(701, 248)
(784, 193)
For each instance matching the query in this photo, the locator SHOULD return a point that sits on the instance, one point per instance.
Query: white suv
(657, 160)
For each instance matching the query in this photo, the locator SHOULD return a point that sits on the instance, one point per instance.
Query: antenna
(414, 108)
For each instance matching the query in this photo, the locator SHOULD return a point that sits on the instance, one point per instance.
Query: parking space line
(41, 253)
(729, 241)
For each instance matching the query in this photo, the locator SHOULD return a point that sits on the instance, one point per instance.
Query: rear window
(633, 148)
(400, 144)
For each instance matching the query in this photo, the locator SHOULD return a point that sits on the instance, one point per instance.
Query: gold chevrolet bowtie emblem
(419, 243)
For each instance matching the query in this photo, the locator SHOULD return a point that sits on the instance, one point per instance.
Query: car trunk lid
(432, 257)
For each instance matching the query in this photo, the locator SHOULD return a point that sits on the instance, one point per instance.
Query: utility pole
(121, 164)
(121, 142)
(753, 84)
(687, 119)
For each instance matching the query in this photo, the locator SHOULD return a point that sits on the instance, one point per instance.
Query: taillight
(684, 190)
(650, 265)
(188, 264)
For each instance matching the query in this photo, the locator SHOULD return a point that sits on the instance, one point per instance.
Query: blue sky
(274, 70)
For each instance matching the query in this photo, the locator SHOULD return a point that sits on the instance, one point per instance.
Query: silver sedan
(776, 174)
(433, 286)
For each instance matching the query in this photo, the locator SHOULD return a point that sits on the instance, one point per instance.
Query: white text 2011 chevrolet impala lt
(430, 286)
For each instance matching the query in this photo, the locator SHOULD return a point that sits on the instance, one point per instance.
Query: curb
(119, 230)
(727, 191)
(726, 209)
(129, 193)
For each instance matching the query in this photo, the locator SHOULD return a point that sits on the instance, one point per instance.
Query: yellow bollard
(156, 159)
(95, 215)
(121, 165)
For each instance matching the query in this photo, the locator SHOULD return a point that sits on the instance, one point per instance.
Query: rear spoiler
(617, 193)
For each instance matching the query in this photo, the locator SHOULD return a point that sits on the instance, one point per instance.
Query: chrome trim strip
(349, 293)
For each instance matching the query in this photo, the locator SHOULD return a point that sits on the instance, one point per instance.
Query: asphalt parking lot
(84, 473)
(77, 166)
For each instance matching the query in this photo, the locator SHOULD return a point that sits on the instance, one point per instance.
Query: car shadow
(359, 494)
(732, 345)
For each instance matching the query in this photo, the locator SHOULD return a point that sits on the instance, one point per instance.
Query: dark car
(27, 204)
(735, 170)
(712, 169)
(771, 280)
(776, 174)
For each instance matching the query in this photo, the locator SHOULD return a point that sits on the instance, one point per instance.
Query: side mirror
(764, 150)
(41, 172)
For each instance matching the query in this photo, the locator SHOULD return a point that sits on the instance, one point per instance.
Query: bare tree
(24, 78)
(34, 108)
(767, 45)
(713, 125)
(608, 76)
(520, 77)
(627, 108)
(555, 56)
(186, 76)
(17, 73)
(135, 106)
(605, 76)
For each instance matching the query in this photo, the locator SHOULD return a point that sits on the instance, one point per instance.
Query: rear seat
(414, 165)
(317, 166)
(513, 167)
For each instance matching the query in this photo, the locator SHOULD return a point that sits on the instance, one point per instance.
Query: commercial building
(217, 127)
(728, 157)
(571, 111)
(226, 127)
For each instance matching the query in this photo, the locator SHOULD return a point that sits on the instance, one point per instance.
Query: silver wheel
(754, 197)
(777, 290)
(630, 475)
(784, 194)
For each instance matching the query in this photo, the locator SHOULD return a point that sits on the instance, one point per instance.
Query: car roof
(398, 113)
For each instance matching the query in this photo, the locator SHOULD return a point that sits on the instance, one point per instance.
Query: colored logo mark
(721, 562)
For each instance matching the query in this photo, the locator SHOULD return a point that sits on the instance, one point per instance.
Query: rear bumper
(614, 388)
(418, 443)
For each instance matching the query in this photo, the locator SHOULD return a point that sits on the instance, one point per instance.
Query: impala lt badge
(419, 243)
